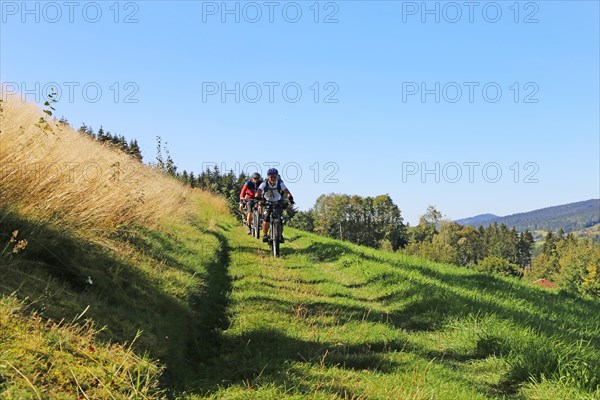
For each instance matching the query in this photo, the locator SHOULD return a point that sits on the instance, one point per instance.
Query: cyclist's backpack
(277, 187)
(253, 186)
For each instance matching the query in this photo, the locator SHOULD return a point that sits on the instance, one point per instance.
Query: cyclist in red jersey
(247, 197)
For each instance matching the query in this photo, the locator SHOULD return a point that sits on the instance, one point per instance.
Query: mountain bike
(275, 226)
(256, 225)
(243, 214)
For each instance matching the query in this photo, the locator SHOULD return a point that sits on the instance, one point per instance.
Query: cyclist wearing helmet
(272, 190)
(247, 197)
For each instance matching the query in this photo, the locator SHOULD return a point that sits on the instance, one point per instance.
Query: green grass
(45, 360)
(220, 318)
(153, 286)
(333, 320)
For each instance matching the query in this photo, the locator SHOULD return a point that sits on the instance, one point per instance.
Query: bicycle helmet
(256, 175)
(272, 171)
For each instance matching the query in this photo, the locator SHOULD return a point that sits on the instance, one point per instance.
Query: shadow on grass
(324, 251)
(61, 275)
(264, 354)
(541, 299)
(418, 315)
(546, 307)
(218, 286)
(449, 295)
(454, 294)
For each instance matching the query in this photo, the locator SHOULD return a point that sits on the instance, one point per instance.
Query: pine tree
(549, 247)
(134, 150)
(512, 246)
(101, 135)
(525, 247)
(86, 130)
(122, 143)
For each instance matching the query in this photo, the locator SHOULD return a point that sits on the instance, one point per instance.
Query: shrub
(498, 265)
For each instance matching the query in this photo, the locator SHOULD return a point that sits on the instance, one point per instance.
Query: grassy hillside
(166, 297)
(125, 252)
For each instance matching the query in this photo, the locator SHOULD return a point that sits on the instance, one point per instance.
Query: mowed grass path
(333, 320)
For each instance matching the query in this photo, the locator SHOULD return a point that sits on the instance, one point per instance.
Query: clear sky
(471, 106)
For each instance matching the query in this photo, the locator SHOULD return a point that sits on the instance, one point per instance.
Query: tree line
(495, 248)
(377, 222)
(213, 180)
(116, 141)
(369, 221)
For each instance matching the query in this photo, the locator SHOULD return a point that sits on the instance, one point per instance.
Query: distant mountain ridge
(571, 217)
(478, 219)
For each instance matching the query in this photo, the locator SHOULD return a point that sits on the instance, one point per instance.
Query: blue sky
(361, 124)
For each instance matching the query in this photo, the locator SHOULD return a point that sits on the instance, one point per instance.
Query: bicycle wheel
(275, 237)
(256, 224)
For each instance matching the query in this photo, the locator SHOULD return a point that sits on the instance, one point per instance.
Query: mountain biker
(247, 197)
(272, 189)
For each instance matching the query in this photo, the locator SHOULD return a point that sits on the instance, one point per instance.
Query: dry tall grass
(60, 176)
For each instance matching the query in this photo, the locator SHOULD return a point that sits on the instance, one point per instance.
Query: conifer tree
(134, 150)
(525, 247)
(101, 136)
